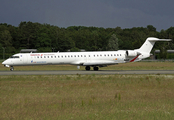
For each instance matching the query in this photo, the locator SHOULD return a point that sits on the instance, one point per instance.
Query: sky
(97, 13)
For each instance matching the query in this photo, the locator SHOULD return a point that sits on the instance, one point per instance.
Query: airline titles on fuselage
(41, 54)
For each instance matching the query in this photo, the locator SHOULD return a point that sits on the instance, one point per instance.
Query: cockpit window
(14, 57)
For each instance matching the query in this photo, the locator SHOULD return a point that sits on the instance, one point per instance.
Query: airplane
(93, 59)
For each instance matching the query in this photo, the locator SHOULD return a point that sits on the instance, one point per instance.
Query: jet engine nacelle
(132, 53)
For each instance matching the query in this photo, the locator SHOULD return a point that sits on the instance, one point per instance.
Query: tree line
(47, 38)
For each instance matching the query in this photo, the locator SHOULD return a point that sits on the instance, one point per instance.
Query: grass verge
(82, 97)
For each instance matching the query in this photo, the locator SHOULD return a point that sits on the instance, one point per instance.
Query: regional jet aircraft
(89, 59)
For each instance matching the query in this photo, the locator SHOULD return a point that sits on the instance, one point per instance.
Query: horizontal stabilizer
(157, 39)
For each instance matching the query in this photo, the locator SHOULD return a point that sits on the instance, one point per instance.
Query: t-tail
(144, 51)
(149, 43)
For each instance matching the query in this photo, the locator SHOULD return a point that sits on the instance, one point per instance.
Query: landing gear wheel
(95, 68)
(87, 67)
(11, 68)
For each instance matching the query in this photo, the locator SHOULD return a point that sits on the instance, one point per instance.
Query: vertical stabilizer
(149, 43)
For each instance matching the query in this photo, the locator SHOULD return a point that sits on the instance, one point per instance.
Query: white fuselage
(74, 58)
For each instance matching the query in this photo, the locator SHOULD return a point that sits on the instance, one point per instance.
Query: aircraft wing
(94, 63)
(99, 63)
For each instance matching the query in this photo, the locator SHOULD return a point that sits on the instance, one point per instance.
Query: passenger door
(24, 58)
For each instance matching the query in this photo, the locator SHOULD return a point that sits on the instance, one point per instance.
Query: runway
(76, 72)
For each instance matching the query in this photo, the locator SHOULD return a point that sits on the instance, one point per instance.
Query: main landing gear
(94, 68)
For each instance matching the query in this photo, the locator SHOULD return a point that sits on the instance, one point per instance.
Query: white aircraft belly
(99, 63)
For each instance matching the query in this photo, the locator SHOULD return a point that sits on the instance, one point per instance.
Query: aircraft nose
(5, 62)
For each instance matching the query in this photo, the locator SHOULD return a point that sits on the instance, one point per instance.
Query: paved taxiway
(75, 72)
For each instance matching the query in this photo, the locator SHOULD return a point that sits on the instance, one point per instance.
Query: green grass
(84, 97)
(126, 66)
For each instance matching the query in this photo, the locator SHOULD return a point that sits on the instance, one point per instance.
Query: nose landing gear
(11, 68)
